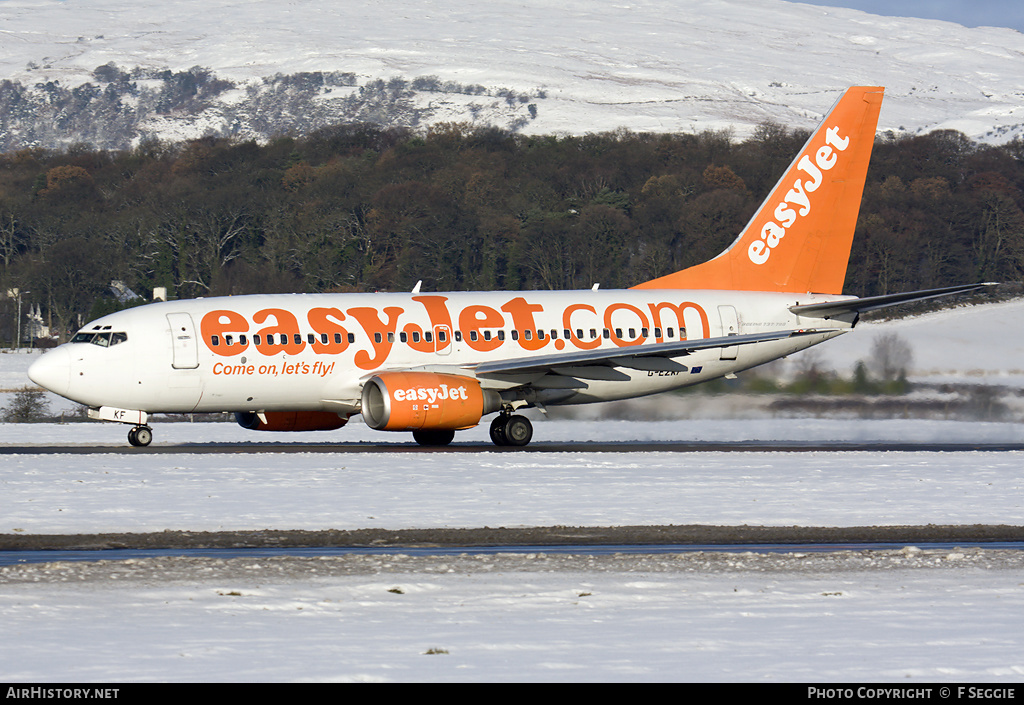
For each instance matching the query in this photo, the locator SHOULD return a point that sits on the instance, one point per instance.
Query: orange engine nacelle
(409, 401)
(290, 421)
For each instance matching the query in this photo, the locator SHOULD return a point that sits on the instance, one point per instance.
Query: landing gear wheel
(140, 436)
(518, 431)
(434, 437)
(498, 430)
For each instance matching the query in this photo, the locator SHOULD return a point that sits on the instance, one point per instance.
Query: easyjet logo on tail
(797, 201)
(799, 239)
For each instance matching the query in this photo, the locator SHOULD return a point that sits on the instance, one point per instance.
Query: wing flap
(649, 364)
(594, 372)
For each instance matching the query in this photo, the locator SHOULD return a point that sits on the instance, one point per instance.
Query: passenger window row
(272, 339)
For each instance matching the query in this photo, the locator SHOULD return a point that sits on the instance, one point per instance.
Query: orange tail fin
(799, 240)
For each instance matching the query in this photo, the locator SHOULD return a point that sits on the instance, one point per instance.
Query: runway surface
(586, 447)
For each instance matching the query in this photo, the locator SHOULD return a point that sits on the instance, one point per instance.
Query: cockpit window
(104, 340)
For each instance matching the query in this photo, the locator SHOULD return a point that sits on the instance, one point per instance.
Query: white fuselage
(228, 354)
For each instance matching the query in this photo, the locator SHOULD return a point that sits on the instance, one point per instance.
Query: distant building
(35, 328)
(121, 292)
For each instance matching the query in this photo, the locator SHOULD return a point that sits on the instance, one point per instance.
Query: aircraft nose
(52, 371)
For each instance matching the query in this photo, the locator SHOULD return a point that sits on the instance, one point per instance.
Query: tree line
(360, 207)
(120, 106)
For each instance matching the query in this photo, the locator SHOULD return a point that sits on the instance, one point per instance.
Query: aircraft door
(730, 326)
(184, 344)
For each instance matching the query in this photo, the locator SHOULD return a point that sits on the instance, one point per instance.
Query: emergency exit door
(730, 326)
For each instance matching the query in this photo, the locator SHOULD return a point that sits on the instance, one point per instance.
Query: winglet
(800, 238)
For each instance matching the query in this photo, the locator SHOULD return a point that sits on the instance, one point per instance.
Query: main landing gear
(507, 429)
(511, 430)
(140, 436)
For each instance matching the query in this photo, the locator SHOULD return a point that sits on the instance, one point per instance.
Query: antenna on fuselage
(416, 289)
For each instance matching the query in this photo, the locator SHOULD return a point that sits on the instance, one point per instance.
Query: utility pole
(15, 293)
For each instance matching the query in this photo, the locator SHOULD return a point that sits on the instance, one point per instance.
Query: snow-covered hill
(647, 65)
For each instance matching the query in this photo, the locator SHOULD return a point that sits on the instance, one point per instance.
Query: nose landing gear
(140, 436)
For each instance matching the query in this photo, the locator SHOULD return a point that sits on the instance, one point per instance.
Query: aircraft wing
(640, 357)
(872, 303)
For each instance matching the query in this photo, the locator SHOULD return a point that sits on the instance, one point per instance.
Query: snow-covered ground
(647, 65)
(946, 620)
(906, 617)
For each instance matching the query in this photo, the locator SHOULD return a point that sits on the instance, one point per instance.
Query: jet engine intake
(410, 401)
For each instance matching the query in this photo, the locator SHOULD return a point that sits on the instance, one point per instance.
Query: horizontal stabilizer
(829, 309)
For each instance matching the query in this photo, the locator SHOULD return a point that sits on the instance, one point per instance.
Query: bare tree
(891, 355)
(8, 238)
